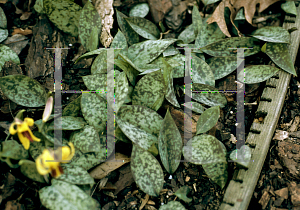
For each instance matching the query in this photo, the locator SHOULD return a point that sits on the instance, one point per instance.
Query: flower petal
(68, 152)
(40, 167)
(12, 129)
(29, 121)
(24, 140)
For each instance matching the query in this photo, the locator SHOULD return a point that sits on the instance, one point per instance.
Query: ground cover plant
(147, 68)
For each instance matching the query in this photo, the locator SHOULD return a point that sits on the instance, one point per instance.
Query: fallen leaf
(110, 165)
(283, 192)
(21, 31)
(106, 11)
(159, 8)
(280, 135)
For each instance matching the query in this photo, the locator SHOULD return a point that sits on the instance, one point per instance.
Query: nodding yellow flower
(24, 133)
(48, 161)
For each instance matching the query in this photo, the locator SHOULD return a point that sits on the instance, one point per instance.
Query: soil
(278, 176)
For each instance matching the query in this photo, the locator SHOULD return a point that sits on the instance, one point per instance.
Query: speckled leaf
(222, 66)
(289, 7)
(38, 6)
(89, 22)
(23, 90)
(64, 14)
(7, 54)
(208, 119)
(217, 172)
(144, 27)
(187, 35)
(147, 51)
(76, 175)
(119, 42)
(196, 107)
(197, 20)
(208, 98)
(201, 72)
(90, 54)
(272, 34)
(122, 90)
(207, 2)
(131, 72)
(221, 48)
(3, 20)
(88, 160)
(94, 110)
(73, 108)
(131, 36)
(149, 91)
(139, 10)
(87, 140)
(28, 168)
(140, 124)
(146, 171)
(3, 34)
(96, 82)
(204, 149)
(241, 156)
(172, 205)
(63, 195)
(171, 50)
(182, 193)
(168, 78)
(280, 55)
(257, 73)
(68, 123)
(36, 148)
(169, 144)
(13, 150)
(209, 33)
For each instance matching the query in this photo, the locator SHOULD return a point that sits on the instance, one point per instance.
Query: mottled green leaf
(68, 123)
(13, 150)
(122, 90)
(168, 78)
(172, 205)
(147, 51)
(3, 20)
(187, 35)
(140, 124)
(241, 156)
(99, 65)
(28, 168)
(76, 175)
(131, 36)
(144, 27)
(197, 20)
(139, 10)
(257, 73)
(207, 2)
(90, 54)
(38, 6)
(36, 148)
(182, 193)
(208, 119)
(64, 14)
(96, 82)
(196, 107)
(222, 66)
(3, 34)
(240, 15)
(130, 72)
(289, 7)
(209, 33)
(217, 172)
(63, 195)
(94, 110)
(146, 171)
(208, 95)
(23, 90)
(204, 149)
(222, 47)
(87, 160)
(119, 42)
(73, 108)
(7, 54)
(171, 50)
(201, 72)
(272, 34)
(169, 144)
(89, 27)
(280, 55)
(149, 91)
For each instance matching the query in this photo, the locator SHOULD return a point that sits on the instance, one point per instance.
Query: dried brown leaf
(21, 31)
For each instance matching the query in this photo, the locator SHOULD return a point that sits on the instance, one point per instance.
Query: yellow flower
(24, 133)
(48, 161)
